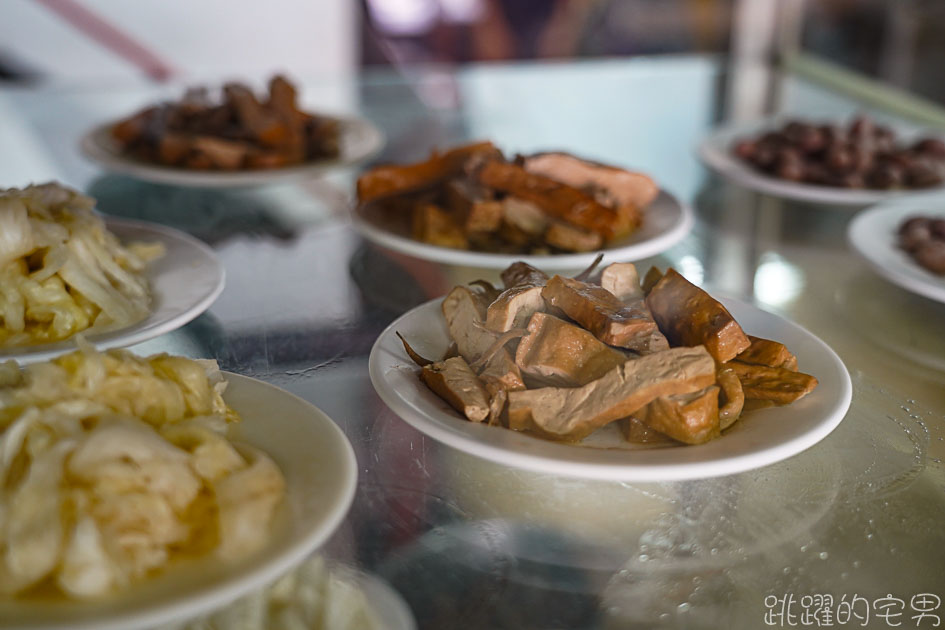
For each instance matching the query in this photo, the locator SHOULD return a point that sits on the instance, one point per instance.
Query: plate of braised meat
(231, 137)
(851, 163)
(905, 243)
(606, 376)
(472, 205)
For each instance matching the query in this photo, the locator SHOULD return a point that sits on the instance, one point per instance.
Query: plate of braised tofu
(231, 137)
(607, 376)
(474, 206)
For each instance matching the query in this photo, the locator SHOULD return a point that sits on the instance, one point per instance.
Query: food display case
(848, 527)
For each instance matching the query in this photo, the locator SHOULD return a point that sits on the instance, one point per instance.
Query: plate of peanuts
(841, 163)
(904, 242)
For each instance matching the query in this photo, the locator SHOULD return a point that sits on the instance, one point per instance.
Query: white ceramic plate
(360, 140)
(716, 152)
(873, 235)
(387, 604)
(184, 283)
(666, 221)
(321, 473)
(759, 438)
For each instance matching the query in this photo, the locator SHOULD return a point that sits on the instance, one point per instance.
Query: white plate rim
(679, 471)
(150, 327)
(872, 235)
(387, 604)
(715, 152)
(98, 147)
(213, 597)
(486, 260)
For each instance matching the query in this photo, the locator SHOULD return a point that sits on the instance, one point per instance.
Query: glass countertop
(474, 544)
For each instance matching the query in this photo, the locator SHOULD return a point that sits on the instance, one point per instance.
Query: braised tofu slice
(262, 125)
(390, 180)
(132, 130)
(555, 352)
(689, 316)
(554, 198)
(497, 405)
(454, 381)
(432, 224)
(484, 217)
(625, 187)
(688, 418)
(514, 307)
(224, 154)
(522, 273)
(731, 396)
(599, 311)
(571, 238)
(622, 280)
(778, 385)
(649, 342)
(651, 279)
(464, 310)
(525, 216)
(500, 372)
(474, 206)
(573, 413)
(767, 352)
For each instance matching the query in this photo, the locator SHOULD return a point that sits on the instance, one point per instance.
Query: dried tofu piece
(599, 311)
(432, 224)
(571, 238)
(484, 217)
(454, 381)
(689, 316)
(626, 188)
(519, 273)
(688, 418)
(513, 308)
(573, 413)
(622, 280)
(767, 352)
(731, 396)
(778, 385)
(390, 180)
(554, 198)
(525, 217)
(474, 205)
(465, 311)
(557, 353)
(651, 279)
(500, 372)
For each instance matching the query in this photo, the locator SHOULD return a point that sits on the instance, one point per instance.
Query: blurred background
(87, 41)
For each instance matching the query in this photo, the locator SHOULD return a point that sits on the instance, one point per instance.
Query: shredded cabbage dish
(112, 466)
(62, 271)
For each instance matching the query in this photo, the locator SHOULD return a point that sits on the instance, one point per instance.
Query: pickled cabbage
(62, 271)
(113, 465)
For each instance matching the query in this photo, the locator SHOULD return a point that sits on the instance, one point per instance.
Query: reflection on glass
(777, 282)
(691, 269)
